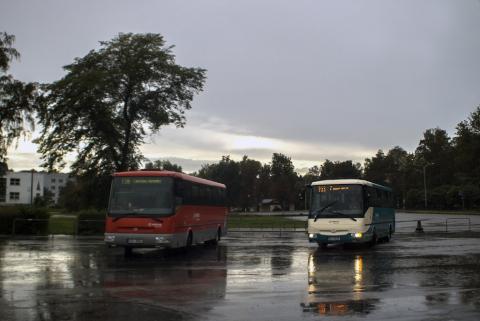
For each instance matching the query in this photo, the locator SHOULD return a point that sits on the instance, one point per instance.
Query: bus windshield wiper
(322, 209)
(344, 215)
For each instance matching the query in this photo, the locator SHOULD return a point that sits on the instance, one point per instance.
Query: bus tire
(389, 236)
(127, 251)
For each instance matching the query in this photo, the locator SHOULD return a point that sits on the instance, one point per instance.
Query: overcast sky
(311, 79)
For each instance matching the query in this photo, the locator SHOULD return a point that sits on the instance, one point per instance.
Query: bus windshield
(141, 196)
(337, 201)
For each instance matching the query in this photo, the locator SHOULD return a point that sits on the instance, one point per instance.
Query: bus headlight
(161, 239)
(311, 235)
(358, 235)
(110, 238)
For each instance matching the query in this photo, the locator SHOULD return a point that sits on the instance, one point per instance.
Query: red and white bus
(164, 209)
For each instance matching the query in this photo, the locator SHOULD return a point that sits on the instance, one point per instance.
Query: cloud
(207, 144)
(310, 79)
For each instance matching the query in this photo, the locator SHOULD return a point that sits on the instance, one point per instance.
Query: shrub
(91, 222)
(414, 199)
(19, 215)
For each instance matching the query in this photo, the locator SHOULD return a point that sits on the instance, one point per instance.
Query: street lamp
(425, 182)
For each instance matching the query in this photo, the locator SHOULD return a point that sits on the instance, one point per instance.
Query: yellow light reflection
(311, 264)
(358, 276)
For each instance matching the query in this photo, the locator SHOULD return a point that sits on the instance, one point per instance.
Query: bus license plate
(134, 241)
(334, 238)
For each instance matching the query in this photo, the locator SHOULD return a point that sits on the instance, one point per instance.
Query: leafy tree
(394, 170)
(435, 150)
(7, 52)
(46, 200)
(264, 184)
(312, 175)
(111, 99)
(376, 168)
(336, 170)
(283, 180)
(164, 165)
(227, 172)
(467, 149)
(249, 173)
(17, 100)
(86, 191)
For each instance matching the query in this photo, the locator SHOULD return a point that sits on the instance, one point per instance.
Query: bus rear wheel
(127, 251)
(389, 236)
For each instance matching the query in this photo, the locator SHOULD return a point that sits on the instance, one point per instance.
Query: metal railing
(451, 224)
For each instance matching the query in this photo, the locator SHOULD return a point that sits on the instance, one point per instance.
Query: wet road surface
(247, 277)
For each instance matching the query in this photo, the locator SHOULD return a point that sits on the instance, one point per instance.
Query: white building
(23, 187)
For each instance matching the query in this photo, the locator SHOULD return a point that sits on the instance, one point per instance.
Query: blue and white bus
(350, 211)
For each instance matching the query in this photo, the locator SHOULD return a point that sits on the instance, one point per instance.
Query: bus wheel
(389, 236)
(127, 251)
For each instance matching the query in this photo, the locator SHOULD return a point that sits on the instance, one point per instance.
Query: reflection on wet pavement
(246, 277)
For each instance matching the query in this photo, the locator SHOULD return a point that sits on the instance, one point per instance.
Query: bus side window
(187, 192)
(204, 195)
(372, 199)
(391, 201)
(209, 195)
(179, 191)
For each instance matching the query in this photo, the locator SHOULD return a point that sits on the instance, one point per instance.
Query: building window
(60, 180)
(3, 189)
(14, 181)
(14, 196)
(52, 187)
(53, 180)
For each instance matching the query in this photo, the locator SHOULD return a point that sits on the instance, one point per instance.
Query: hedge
(19, 215)
(91, 222)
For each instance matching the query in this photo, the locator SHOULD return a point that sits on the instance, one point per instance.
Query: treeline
(447, 168)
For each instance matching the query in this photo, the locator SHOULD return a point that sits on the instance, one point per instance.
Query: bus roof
(169, 174)
(350, 182)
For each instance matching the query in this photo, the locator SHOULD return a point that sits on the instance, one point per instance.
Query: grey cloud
(366, 74)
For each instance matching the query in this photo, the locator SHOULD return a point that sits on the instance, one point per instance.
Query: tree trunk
(128, 132)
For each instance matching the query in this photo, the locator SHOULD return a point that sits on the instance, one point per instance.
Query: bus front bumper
(139, 240)
(339, 239)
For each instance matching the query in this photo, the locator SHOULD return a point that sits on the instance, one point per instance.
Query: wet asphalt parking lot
(249, 276)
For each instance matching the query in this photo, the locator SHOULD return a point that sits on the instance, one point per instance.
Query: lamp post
(425, 183)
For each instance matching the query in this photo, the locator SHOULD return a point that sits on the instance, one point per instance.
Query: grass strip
(62, 224)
